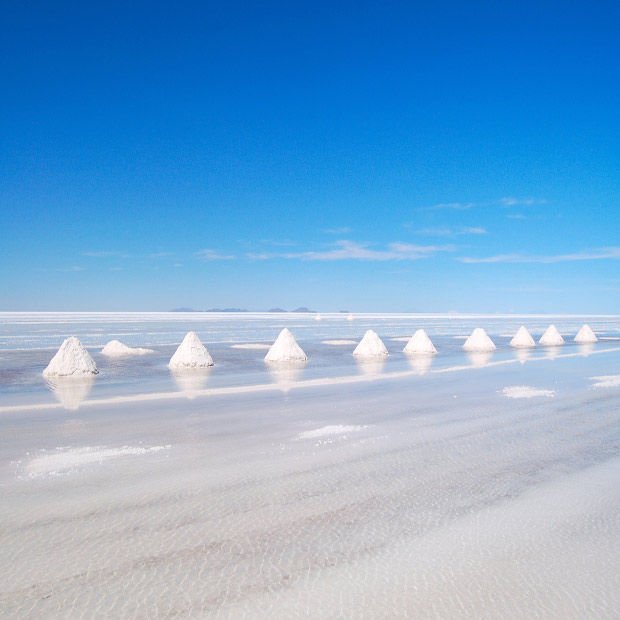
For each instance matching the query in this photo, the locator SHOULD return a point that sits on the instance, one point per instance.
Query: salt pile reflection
(71, 392)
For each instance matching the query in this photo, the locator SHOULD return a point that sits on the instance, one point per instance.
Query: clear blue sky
(371, 156)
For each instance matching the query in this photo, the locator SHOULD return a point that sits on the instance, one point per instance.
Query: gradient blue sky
(371, 156)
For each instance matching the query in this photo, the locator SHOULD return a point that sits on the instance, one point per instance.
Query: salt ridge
(338, 429)
(524, 391)
(65, 460)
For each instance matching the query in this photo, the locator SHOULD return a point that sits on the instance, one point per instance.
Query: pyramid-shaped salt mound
(318, 317)
(586, 335)
(71, 360)
(479, 341)
(191, 354)
(551, 337)
(115, 348)
(285, 349)
(522, 339)
(350, 318)
(371, 346)
(420, 344)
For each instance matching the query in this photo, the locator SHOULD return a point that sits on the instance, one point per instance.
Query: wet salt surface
(237, 343)
(429, 496)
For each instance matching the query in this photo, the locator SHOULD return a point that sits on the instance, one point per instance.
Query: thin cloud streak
(350, 250)
(458, 206)
(597, 254)
(209, 254)
(453, 232)
(511, 201)
(107, 254)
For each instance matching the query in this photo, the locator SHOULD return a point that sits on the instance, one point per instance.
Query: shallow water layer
(428, 495)
(29, 340)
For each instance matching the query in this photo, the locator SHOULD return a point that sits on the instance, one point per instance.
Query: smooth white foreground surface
(428, 496)
(457, 485)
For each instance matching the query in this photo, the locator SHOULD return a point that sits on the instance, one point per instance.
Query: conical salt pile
(318, 317)
(285, 349)
(115, 348)
(71, 360)
(421, 344)
(586, 335)
(552, 337)
(350, 318)
(371, 346)
(522, 339)
(479, 341)
(191, 354)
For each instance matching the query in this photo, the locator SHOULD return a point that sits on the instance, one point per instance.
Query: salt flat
(331, 494)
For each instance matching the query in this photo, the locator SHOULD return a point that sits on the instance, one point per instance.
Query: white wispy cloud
(162, 255)
(71, 269)
(515, 216)
(453, 231)
(209, 254)
(511, 201)
(350, 250)
(107, 254)
(344, 230)
(458, 206)
(261, 255)
(278, 243)
(596, 254)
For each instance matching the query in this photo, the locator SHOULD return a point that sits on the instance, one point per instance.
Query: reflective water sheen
(413, 489)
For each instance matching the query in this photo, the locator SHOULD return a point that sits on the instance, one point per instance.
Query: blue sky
(362, 156)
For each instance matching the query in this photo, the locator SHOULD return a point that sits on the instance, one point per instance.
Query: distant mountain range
(301, 309)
